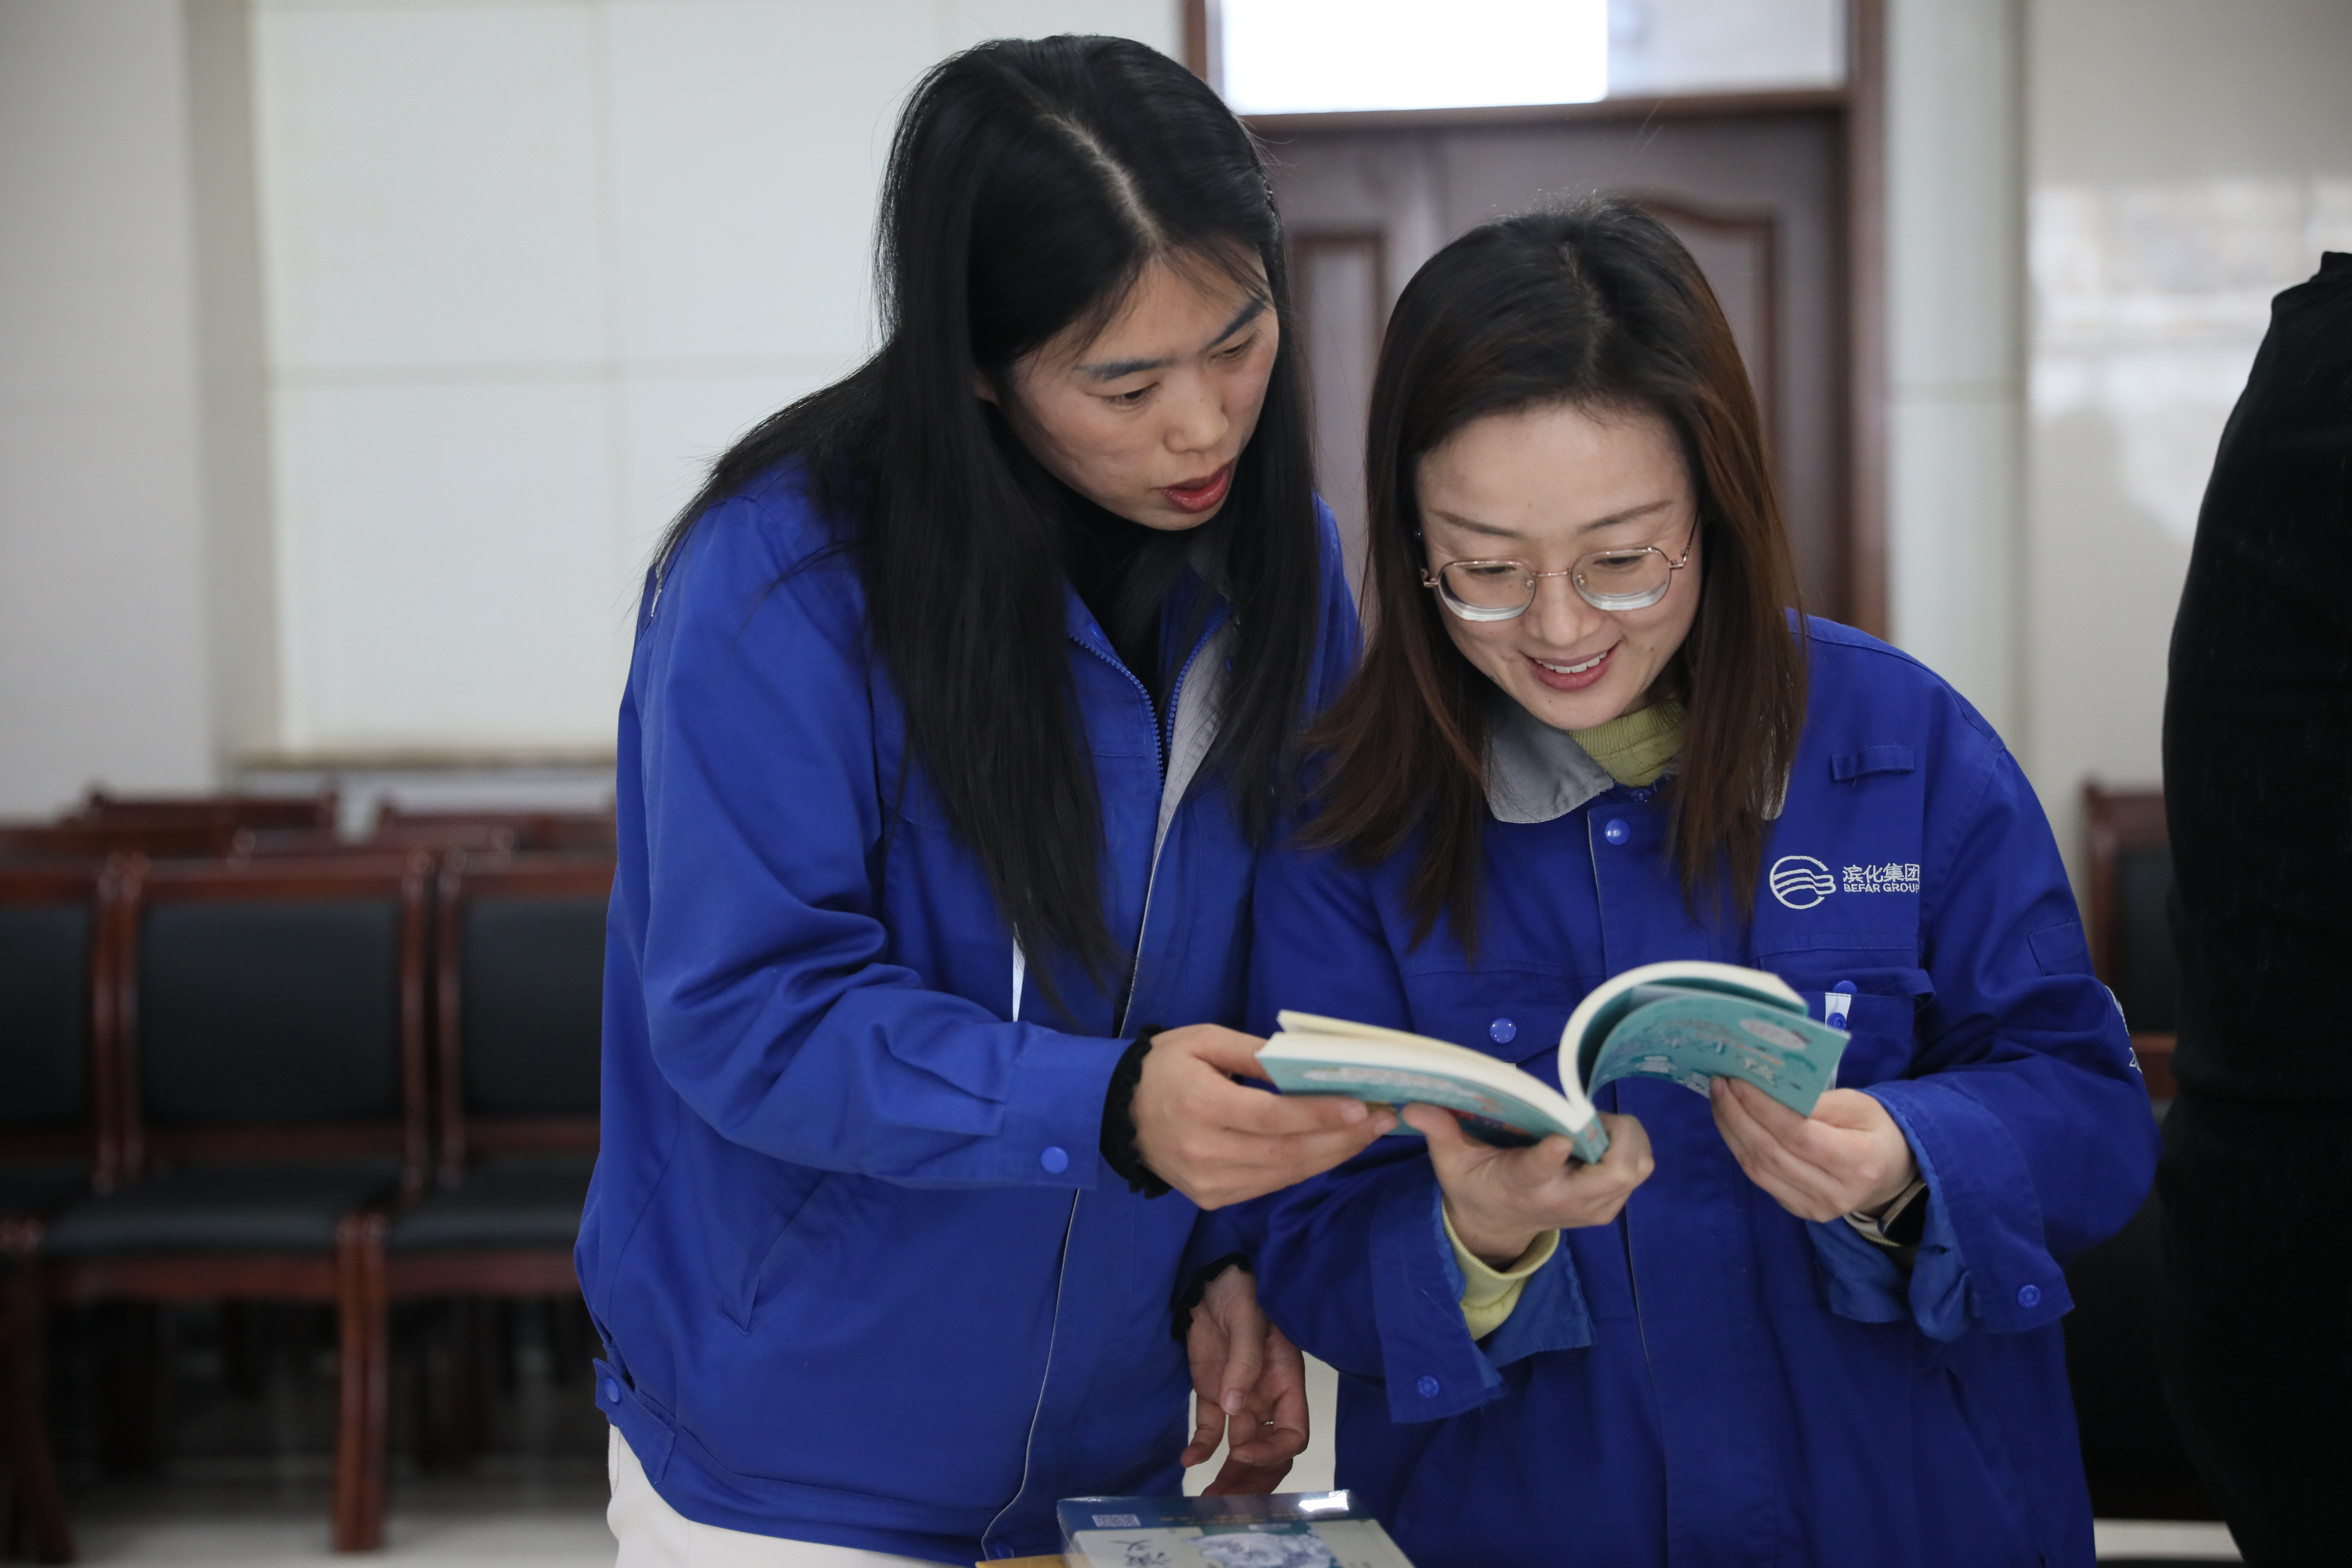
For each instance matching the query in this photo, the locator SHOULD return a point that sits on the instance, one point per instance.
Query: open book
(1686, 1022)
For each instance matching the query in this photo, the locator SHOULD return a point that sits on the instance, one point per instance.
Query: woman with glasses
(963, 696)
(1593, 732)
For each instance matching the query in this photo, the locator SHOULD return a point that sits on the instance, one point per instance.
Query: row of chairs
(345, 1079)
(2127, 870)
(214, 825)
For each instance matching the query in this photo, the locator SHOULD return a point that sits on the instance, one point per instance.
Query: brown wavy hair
(1596, 306)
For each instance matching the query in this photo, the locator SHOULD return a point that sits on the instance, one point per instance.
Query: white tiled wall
(530, 265)
(102, 638)
(2184, 161)
(448, 560)
(432, 186)
(1956, 377)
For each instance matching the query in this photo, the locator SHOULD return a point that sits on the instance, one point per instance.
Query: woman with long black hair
(964, 695)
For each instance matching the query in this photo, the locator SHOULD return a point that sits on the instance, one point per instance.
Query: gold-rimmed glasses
(1621, 578)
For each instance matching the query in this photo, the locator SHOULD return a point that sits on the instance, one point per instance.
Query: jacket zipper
(1069, 1225)
(1161, 723)
(1641, 1326)
(1625, 1214)
(1044, 1378)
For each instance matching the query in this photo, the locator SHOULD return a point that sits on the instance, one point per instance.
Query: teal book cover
(1684, 1022)
(1690, 1036)
(1495, 1100)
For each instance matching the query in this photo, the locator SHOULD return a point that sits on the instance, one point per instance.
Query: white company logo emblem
(1800, 881)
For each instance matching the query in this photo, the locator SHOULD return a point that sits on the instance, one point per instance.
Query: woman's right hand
(1219, 1143)
(1501, 1200)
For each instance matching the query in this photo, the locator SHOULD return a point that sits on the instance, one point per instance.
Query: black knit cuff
(1181, 1310)
(1119, 1151)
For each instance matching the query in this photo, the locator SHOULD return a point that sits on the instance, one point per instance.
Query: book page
(1687, 1037)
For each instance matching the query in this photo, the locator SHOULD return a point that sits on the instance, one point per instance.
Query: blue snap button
(1428, 1386)
(1844, 985)
(1502, 1031)
(2028, 1295)
(1055, 1159)
(1615, 830)
(612, 1391)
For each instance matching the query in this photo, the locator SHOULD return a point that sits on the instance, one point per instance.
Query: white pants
(654, 1535)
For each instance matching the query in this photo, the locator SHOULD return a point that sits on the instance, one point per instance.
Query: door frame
(1857, 109)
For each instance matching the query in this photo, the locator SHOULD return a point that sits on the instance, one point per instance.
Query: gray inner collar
(1538, 774)
(1535, 772)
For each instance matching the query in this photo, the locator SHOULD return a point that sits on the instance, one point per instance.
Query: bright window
(1292, 56)
(1303, 56)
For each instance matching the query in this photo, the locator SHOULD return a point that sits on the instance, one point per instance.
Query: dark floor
(196, 1435)
(201, 1435)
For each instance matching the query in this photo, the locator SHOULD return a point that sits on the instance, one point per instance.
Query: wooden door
(1755, 189)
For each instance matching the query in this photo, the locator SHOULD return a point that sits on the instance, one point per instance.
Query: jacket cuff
(1428, 1361)
(1550, 1314)
(1052, 1129)
(1862, 1280)
(1488, 1295)
(1431, 1366)
(1982, 1257)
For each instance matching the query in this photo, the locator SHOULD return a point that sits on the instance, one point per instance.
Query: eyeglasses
(1616, 579)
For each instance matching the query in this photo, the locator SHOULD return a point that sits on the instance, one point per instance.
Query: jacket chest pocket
(1880, 1004)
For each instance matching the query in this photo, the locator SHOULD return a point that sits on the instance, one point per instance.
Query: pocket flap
(2060, 949)
(1848, 766)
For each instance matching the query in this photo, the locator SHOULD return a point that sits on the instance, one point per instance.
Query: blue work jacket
(860, 1273)
(1711, 1380)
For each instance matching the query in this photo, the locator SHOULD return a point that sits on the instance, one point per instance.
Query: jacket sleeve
(1222, 1232)
(2024, 1109)
(773, 1007)
(1355, 1264)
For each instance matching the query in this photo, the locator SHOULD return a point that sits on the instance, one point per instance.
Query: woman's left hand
(1847, 1157)
(1249, 1389)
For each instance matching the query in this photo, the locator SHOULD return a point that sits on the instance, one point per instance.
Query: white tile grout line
(2191, 1541)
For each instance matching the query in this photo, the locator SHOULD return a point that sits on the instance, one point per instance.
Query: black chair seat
(523, 1205)
(37, 1186)
(281, 1207)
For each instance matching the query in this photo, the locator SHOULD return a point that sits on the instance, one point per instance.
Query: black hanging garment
(2255, 1326)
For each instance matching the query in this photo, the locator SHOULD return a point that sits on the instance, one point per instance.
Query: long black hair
(1030, 183)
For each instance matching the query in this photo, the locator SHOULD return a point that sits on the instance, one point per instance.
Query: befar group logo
(1800, 881)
